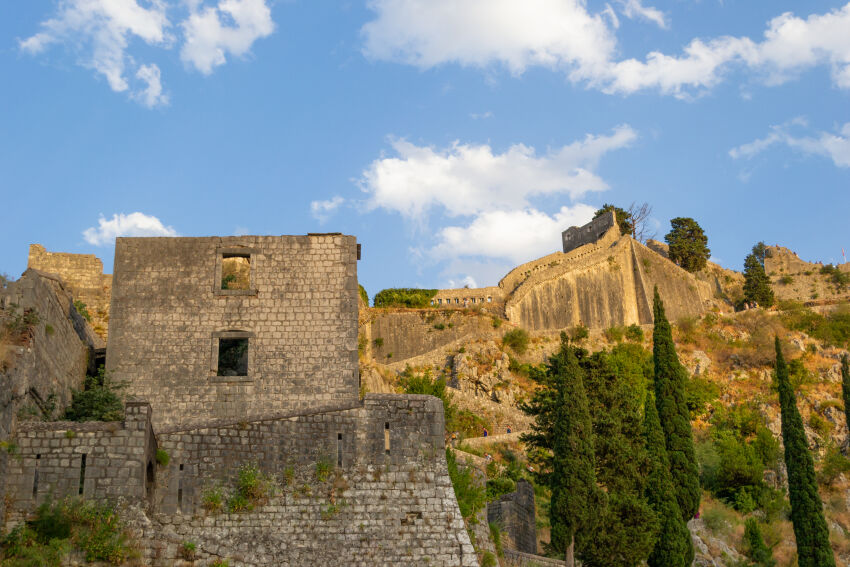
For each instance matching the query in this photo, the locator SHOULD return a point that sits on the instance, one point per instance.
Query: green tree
(561, 439)
(756, 550)
(99, 400)
(810, 531)
(673, 547)
(688, 244)
(671, 402)
(624, 217)
(627, 525)
(756, 283)
(845, 386)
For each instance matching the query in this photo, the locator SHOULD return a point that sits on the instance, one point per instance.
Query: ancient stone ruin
(257, 370)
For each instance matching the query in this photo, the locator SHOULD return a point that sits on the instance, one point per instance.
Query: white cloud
(466, 281)
(481, 115)
(518, 235)
(152, 95)
(633, 9)
(835, 146)
(102, 33)
(134, 224)
(101, 30)
(467, 179)
(210, 35)
(563, 35)
(322, 210)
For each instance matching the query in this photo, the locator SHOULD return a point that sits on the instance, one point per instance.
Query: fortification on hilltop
(242, 352)
(601, 279)
(83, 275)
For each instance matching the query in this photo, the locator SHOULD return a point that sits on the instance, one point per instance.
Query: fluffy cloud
(467, 179)
(519, 235)
(633, 9)
(322, 210)
(563, 35)
(209, 38)
(835, 146)
(101, 32)
(134, 224)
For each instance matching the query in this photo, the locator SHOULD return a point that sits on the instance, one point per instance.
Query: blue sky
(454, 138)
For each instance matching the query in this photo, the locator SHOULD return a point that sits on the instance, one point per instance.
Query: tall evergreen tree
(845, 387)
(563, 432)
(670, 380)
(756, 283)
(688, 244)
(673, 546)
(627, 525)
(810, 531)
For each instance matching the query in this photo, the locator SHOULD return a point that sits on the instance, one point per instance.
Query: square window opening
(236, 271)
(232, 357)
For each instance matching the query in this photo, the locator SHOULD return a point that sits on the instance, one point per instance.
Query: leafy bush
(834, 464)
(755, 547)
(82, 310)
(516, 339)
(404, 297)
(835, 275)
(786, 280)
(470, 494)
(162, 457)
(212, 499)
(496, 536)
(700, 392)
(464, 421)
(489, 560)
(634, 333)
(498, 486)
(614, 334)
(378, 342)
(821, 426)
(579, 333)
(439, 326)
(497, 322)
(98, 401)
(187, 550)
(363, 295)
(832, 329)
(323, 469)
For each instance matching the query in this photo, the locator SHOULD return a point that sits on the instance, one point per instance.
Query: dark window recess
(180, 490)
(387, 438)
(35, 477)
(82, 472)
(235, 271)
(233, 357)
(339, 449)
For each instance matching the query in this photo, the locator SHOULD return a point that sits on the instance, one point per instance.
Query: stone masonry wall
(300, 317)
(576, 236)
(378, 507)
(515, 515)
(83, 274)
(50, 456)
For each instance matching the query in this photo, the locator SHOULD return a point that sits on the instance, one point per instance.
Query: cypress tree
(757, 551)
(627, 525)
(670, 380)
(810, 531)
(673, 547)
(756, 283)
(564, 432)
(845, 387)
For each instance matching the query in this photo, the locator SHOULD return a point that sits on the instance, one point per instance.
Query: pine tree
(670, 380)
(756, 283)
(845, 387)
(757, 551)
(810, 531)
(627, 526)
(564, 433)
(673, 547)
(688, 244)
(623, 217)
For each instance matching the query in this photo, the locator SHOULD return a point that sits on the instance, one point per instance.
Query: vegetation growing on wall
(99, 400)
(404, 297)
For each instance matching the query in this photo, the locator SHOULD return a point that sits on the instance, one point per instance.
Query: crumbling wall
(299, 315)
(795, 279)
(515, 515)
(576, 236)
(83, 275)
(100, 460)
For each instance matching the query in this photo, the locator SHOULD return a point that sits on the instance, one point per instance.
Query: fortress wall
(84, 277)
(682, 293)
(376, 507)
(575, 236)
(484, 297)
(519, 274)
(299, 316)
(515, 514)
(100, 460)
(413, 333)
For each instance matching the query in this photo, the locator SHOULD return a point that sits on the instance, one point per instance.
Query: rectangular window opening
(235, 271)
(82, 472)
(387, 438)
(232, 357)
(35, 477)
(339, 449)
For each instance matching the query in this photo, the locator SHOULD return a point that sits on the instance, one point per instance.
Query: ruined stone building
(237, 351)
